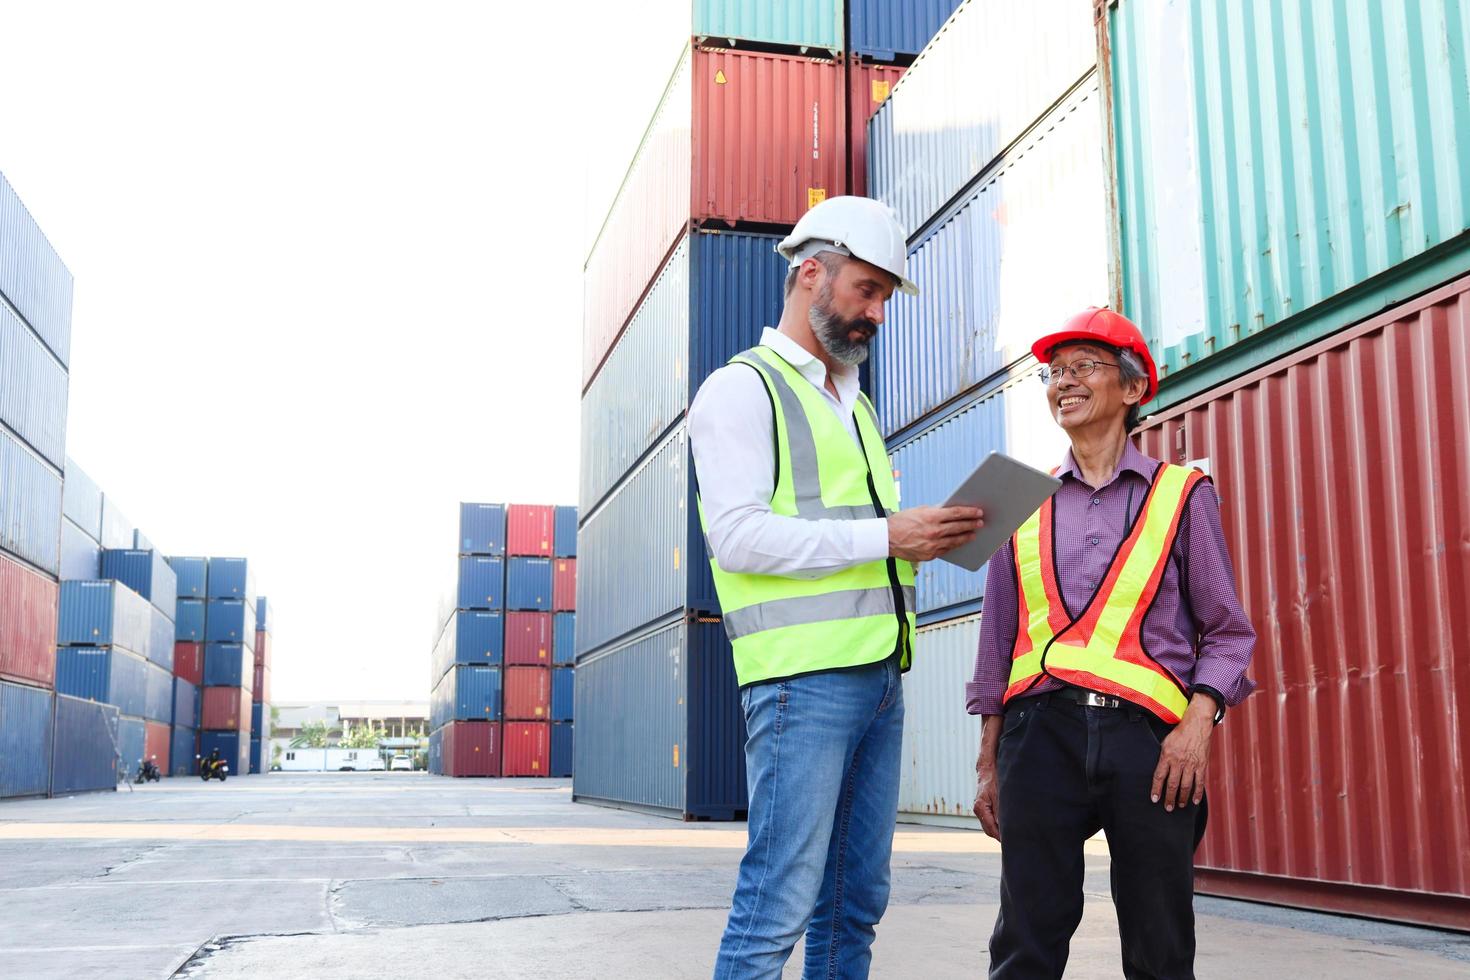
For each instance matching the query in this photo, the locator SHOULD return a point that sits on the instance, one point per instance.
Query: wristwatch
(1218, 698)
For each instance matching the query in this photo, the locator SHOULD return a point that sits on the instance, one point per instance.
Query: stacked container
(226, 702)
(260, 712)
(35, 342)
(191, 575)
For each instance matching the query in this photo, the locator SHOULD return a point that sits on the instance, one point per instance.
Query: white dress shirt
(730, 431)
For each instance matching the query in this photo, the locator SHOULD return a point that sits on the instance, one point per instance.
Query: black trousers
(1065, 772)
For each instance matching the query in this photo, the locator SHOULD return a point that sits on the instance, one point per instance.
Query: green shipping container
(1282, 167)
(798, 23)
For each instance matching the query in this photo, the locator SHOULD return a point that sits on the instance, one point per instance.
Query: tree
(314, 735)
(362, 737)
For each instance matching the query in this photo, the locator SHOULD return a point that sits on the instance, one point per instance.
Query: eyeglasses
(1080, 369)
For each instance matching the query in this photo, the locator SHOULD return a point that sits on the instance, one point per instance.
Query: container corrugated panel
(562, 696)
(28, 607)
(1296, 150)
(257, 718)
(529, 530)
(564, 638)
(81, 500)
(940, 741)
(228, 665)
(471, 748)
(564, 540)
(189, 620)
(481, 583)
(561, 750)
(474, 636)
(660, 725)
(33, 389)
(885, 29)
(84, 748)
(528, 584)
(186, 704)
(436, 753)
(254, 755)
(117, 531)
(230, 578)
(989, 270)
(81, 555)
(868, 86)
(946, 122)
(564, 585)
(527, 693)
(466, 694)
(224, 709)
(264, 615)
(160, 638)
(189, 662)
(158, 704)
(141, 542)
(106, 674)
(263, 645)
(527, 748)
(230, 621)
(260, 692)
(156, 743)
(481, 529)
(648, 531)
(1012, 418)
(191, 576)
(30, 506)
(32, 276)
(25, 740)
(132, 735)
(183, 746)
(102, 613)
(1362, 624)
(528, 638)
(234, 748)
(793, 23)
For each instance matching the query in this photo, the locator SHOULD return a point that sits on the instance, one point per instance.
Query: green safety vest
(782, 627)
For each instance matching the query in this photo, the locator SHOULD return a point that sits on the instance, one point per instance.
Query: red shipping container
(528, 638)
(527, 749)
(1341, 472)
(225, 709)
(155, 744)
(262, 648)
(27, 624)
(260, 691)
(528, 530)
(189, 662)
(471, 748)
(868, 87)
(527, 693)
(740, 136)
(564, 585)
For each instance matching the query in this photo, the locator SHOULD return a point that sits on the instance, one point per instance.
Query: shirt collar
(843, 377)
(1132, 461)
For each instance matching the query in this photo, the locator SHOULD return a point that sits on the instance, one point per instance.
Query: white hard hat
(857, 226)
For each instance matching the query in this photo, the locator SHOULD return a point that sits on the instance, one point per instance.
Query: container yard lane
(380, 874)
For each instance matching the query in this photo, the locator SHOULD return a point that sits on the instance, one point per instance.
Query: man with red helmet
(1112, 643)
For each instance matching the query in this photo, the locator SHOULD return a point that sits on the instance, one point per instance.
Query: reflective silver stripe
(801, 610)
(802, 445)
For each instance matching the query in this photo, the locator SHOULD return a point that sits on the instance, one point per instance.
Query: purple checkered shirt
(1196, 628)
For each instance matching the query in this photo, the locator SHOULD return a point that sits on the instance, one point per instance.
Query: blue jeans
(823, 764)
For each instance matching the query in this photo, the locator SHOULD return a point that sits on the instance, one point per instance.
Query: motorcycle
(147, 772)
(213, 769)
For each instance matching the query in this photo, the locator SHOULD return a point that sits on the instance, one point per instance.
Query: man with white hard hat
(814, 565)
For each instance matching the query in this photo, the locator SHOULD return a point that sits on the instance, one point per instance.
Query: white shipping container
(940, 741)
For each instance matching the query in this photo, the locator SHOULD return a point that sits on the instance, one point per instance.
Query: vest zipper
(898, 604)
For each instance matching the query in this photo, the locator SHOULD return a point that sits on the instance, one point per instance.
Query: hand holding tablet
(1009, 492)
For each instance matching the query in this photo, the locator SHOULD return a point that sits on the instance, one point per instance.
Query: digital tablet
(1008, 491)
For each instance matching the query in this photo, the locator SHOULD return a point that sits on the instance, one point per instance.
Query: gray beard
(831, 332)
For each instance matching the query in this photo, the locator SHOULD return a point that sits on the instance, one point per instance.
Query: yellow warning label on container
(535, 764)
(720, 76)
(881, 91)
(676, 559)
(676, 755)
(815, 196)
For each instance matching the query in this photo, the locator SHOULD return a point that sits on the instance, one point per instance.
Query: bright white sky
(328, 277)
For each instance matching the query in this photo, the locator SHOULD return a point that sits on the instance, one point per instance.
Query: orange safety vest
(1101, 649)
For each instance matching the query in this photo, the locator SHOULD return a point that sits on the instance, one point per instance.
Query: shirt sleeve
(1226, 637)
(985, 692)
(730, 434)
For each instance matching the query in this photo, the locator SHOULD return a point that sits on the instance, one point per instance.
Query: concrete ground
(402, 874)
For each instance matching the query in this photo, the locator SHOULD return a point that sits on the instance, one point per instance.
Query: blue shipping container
(33, 389)
(257, 716)
(564, 534)
(481, 583)
(562, 696)
(158, 704)
(84, 749)
(132, 742)
(189, 621)
(561, 750)
(81, 500)
(481, 529)
(233, 748)
(192, 575)
(103, 614)
(30, 506)
(230, 578)
(108, 675)
(884, 29)
(182, 748)
(472, 636)
(436, 752)
(161, 638)
(146, 573)
(255, 755)
(528, 584)
(117, 530)
(186, 704)
(466, 694)
(228, 665)
(81, 556)
(661, 726)
(564, 638)
(263, 610)
(230, 621)
(32, 276)
(25, 740)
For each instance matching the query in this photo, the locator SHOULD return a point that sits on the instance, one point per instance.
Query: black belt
(1091, 699)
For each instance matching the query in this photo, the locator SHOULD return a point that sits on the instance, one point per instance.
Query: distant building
(397, 720)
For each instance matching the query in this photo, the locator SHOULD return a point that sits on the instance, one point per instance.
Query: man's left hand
(1180, 775)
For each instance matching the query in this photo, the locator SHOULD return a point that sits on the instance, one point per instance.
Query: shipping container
(528, 639)
(529, 530)
(81, 555)
(33, 389)
(228, 665)
(28, 608)
(709, 302)
(1341, 475)
(527, 693)
(103, 613)
(798, 24)
(156, 748)
(868, 87)
(561, 750)
(436, 753)
(466, 694)
(230, 578)
(146, 573)
(110, 675)
(160, 638)
(234, 748)
(564, 638)
(186, 704)
(260, 721)
(564, 537)
(940, 741)
(660, 724)
(947, 120)
(25, 740)
(141, 542)
(132, 735)
(260, 689)
(564, 585)
(189, 621)
(886, 29)
(482, 529)
(84, 748)
(470, 637)
(471, 748)
(183, 747)
(562, 697)
(230, 621)
(988, 268)
(1299, 150)
(481, 583)
(527, 748)
(264, 615)
(263, 644)
(30, 506)
(255, 755)
(81, 500)
(32, 276)
(189, 662)
(737, 137)
(647, 532)
(224, 709)
(158, 698)
(192, 576)
(117, 530)
(528, 584)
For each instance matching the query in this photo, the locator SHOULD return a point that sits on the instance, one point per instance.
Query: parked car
(401, 762)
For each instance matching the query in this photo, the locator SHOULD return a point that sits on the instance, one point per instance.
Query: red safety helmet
(1102, 326)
